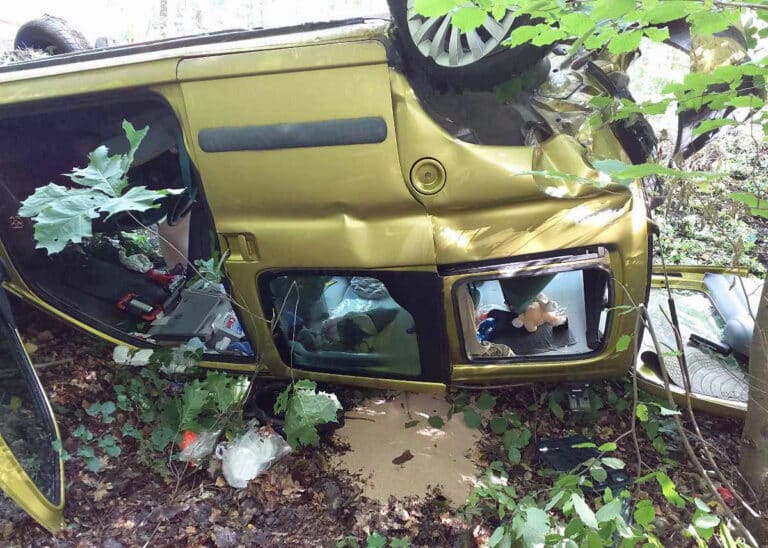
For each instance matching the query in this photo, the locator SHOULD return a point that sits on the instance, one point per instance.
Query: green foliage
(62, 215)
(623, 343)
(472, 418)
(305, 409)
(105, 409)
(571, 512)
(436, 421)
(151, 402)
(212, 270)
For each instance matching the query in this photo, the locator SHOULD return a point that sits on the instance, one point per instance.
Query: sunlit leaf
(584, 511)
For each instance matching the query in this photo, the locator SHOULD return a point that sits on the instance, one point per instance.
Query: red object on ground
(187, 437)
(728, 497)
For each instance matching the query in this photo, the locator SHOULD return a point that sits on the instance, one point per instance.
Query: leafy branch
(65, 214)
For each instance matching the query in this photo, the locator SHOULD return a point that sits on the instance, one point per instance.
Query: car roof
(228, 41)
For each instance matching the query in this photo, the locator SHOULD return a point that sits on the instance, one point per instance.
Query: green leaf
(538, 35)
(707, 22)
(664, 12)
(472, 418)
(585, 445)
(710, 125)
(375, 540)
(108, 407)
(609, 511)
(611, 9)
(665, 411)
(107, 440)
(644, 512)
(598, 473)
(705, 521)
(623, 343)
(496, 537)
(86, 452)
(701, 505)
(104, 173)
(436, 421)
(193, 399)
(469, 18)
(642, 412)
(747, 198)
(574, 528)
(624, 173)
(584, 511)
(161, 437)
(606, 447)
(130, 431)
(611, 462)
(657, 34)
(135, 137)
(535, 526)
(44, 196)
(138, 198)
(93, 464)
(576, 23)
(485, 402)
(516, 437)
(556, 409)
(66, 220)
(82, 433)
(498, 425)
(669, 490)
(433, 8)
(308, 409)
(514, 455)
(113, 451)
(625, 42)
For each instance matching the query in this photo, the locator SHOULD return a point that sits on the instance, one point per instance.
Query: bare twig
(635, 397)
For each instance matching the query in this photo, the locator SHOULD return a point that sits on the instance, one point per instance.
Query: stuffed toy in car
(540, 311)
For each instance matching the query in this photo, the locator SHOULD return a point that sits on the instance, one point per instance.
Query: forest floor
(305, 499)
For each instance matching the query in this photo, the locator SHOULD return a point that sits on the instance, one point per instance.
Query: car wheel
(475, 60)
(51, 34)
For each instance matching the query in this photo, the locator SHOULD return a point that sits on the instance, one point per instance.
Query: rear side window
(345, 322)
(25, 422)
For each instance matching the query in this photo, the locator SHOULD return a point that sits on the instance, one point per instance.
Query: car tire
(50, 33)
(468, 69)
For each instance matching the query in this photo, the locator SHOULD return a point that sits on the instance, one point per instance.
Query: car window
(346, 324)
(25, 423)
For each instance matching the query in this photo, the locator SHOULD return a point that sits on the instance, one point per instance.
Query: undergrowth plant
(64, 215)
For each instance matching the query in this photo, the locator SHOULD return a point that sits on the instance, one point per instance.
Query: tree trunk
(754, 455)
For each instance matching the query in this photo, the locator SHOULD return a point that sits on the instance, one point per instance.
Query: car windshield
(120, 22)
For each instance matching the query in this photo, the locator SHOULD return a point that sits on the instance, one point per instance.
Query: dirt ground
(307, 498)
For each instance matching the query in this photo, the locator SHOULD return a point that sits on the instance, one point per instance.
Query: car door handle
(241, 246)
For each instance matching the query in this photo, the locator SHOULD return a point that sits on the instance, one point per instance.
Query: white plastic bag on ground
(250, 454)
(203, 445)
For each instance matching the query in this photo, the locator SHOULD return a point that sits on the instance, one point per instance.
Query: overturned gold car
(350, 201)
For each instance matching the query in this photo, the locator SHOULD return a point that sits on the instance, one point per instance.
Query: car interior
(140, 276)
(345, 322)
(514, 318)
(715, 368)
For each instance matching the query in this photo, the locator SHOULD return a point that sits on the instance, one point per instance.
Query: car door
(31, 471)
(297, 154)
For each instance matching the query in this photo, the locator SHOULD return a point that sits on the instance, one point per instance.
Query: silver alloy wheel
(447, 46)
